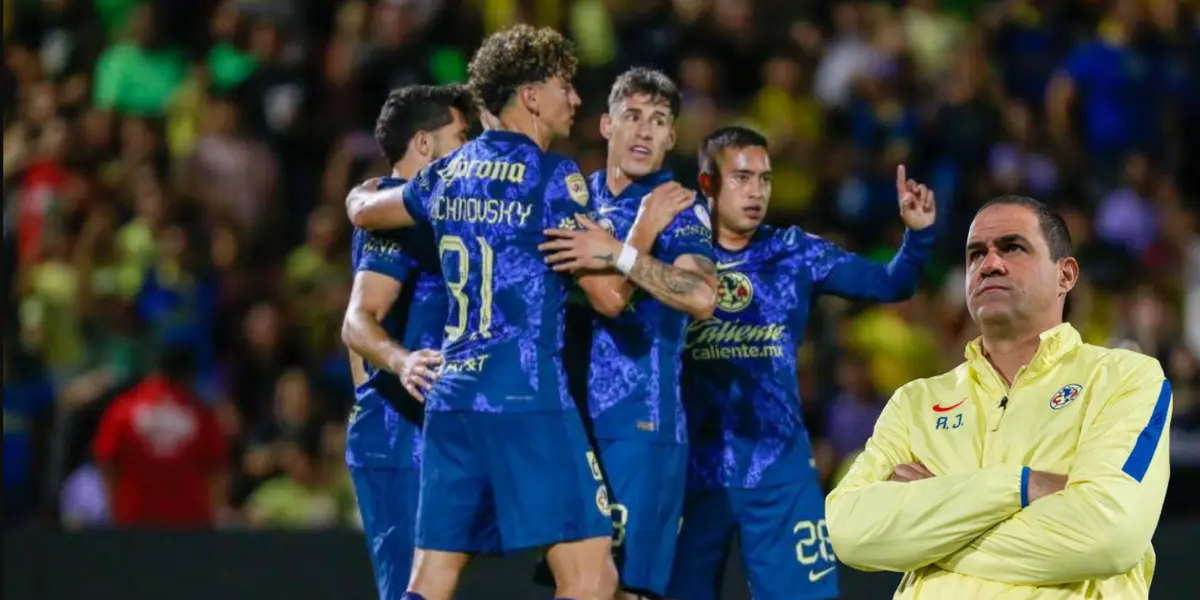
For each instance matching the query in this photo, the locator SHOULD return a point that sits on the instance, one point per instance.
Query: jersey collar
(392, 181)
(636, 189)
(1056, 343)
(511, 137)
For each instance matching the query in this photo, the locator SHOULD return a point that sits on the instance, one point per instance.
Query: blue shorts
(387, 501)
(785, 543)
(647, 483)
(502, 482)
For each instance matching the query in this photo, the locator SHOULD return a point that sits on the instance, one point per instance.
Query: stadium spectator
(161, 451)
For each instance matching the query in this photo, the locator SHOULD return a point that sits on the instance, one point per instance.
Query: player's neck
(617, 179)
(406, 168)
(732, 240)
(1010, 349)
(527, 125)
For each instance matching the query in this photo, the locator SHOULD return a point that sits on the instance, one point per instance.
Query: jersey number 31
(456, 282)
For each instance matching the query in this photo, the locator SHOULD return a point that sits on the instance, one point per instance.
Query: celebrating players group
(601, 366)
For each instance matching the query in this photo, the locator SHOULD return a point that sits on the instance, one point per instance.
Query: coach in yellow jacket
(1035, 469)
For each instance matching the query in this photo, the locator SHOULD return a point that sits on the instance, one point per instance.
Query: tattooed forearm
(682, 289)
(656, 276)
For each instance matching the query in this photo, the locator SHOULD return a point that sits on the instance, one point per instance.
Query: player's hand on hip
(910, 472)
(418, 371)
(662, 205)
(570, 251)
(1042, 484)
(918, 208)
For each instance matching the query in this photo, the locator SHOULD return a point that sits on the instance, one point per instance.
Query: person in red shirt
(162, 451)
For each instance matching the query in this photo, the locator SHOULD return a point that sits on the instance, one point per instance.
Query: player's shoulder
(1115, 366)
(794, 237)
(563, 175)
(559, 164)
(695, 215)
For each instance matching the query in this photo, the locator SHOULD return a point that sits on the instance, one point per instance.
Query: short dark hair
(727, 137)
(1054, 228)
(520, 55)
(652, 82)
(414, 108)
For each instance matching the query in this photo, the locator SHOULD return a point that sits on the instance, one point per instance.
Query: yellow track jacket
(1100, 416)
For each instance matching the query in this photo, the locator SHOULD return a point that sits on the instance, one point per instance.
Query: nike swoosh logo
(729, 265)
(940, 408)
(604, 210)
(815, 576)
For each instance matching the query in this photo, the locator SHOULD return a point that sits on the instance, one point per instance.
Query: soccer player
(417, 125)
(1035, 469)
(633, 383)
(506, 457)
(750, 471)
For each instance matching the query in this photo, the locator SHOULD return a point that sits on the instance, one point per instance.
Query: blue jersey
(633, 379)
(489, 204)
(385, 419)
(740, 384)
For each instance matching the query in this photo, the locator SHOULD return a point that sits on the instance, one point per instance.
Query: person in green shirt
(140, 75)
(311, 494)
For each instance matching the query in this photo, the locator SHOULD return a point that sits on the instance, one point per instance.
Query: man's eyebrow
(1010, 238)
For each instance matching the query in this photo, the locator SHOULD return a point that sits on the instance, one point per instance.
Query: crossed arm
(984, 524)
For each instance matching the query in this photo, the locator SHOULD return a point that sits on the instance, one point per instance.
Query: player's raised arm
(1100, 525)
(852, 276)
(881, 521)
(372, 208)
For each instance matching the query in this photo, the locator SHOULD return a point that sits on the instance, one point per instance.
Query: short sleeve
(417, 190)
(383, 254)
(566, 193)
(690, 233)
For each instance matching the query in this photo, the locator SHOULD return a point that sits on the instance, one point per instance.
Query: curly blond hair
(520, 55)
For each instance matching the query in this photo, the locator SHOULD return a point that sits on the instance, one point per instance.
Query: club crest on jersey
(1065, 396)
(602, 500)
(734, 291)
(577, 187)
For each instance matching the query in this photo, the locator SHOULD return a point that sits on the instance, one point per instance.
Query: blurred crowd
(174, 175)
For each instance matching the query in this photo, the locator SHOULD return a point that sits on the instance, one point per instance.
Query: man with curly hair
(507, 462)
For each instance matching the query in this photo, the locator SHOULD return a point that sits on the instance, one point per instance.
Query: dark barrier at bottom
(132, 565)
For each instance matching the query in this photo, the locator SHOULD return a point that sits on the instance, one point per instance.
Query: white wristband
(626, 259)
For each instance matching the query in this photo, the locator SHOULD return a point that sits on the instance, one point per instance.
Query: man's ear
(1068, 274)
(422, 142)
(707, 185)
(528, 95)
(606, 126)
